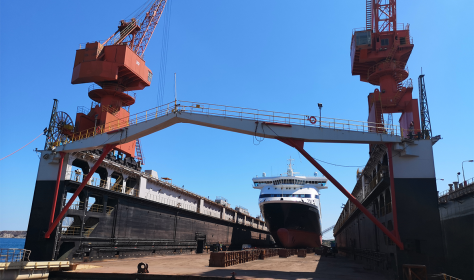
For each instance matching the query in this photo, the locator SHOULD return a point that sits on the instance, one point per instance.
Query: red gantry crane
(379, 55)
(116, 66)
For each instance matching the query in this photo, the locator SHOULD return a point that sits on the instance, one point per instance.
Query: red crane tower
(379, 54)
(116, 66)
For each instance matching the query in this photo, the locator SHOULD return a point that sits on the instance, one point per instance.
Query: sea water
(14, 243)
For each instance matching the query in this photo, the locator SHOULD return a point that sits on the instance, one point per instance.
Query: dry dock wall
(417, 210)
(456, 210)
(113, 218)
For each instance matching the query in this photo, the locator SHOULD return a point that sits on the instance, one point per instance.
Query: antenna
(290, 168)
(175, 92)
(424, 112)
(290, 160)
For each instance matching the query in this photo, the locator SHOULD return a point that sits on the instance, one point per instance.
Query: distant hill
(12, 234)
(327, 242)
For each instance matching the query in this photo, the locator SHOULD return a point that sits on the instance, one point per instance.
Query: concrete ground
(311, 267)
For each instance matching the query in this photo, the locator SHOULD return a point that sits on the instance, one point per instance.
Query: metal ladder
(368, 14)
(138, 150)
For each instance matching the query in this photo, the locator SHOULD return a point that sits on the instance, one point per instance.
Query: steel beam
(244, 126)
(392, 190)
(52, 226)
(299, 145)
(56, 190)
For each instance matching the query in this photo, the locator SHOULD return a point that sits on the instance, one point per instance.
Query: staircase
(118, 184)
(368, 14)
(139, 154)
(379, 116)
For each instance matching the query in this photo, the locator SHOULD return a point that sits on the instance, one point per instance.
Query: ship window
(316, 196)
(307, 195)
(384, 42)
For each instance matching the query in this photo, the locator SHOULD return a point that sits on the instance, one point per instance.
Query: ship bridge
(261, 123)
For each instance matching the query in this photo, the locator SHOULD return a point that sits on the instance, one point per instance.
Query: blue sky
(273, 55)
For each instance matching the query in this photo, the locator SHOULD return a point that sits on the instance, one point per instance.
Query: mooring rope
(23, 146)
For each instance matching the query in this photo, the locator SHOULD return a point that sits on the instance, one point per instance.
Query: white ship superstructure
(291, 207)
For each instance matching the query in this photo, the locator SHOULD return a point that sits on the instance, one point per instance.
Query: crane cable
(23, 146)
(164, 55)
(316, 158)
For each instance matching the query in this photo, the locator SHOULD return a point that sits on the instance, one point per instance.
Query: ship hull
(292, 224)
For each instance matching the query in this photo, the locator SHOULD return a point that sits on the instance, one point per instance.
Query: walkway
(253, 122)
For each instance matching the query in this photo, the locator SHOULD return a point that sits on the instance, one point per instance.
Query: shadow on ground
(326, 268)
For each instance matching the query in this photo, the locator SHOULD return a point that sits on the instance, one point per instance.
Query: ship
(291, 208)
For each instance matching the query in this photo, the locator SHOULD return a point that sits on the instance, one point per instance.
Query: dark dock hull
(457, 224)
(135, 227)
(293, 225)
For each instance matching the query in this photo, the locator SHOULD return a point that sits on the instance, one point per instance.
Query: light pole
(470, 160)
(320, 105)
(459, 173)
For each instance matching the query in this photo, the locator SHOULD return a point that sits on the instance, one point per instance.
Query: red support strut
(298, 145)
(56, 190)
(52, 226)
(392, 190)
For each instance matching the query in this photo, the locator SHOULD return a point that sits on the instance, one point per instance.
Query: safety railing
(83, 109)
(414, 134)
(469, 182)
(457, 191)
(281, 117)
(70, 230)
(76, 231)
(448, 277)
(443, 193)
(79, 205)
(96, 182)
(14, 255)
(236, 113)
(386, 65)
(400, 26)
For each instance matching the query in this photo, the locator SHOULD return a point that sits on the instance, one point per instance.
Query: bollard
(142, 268)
